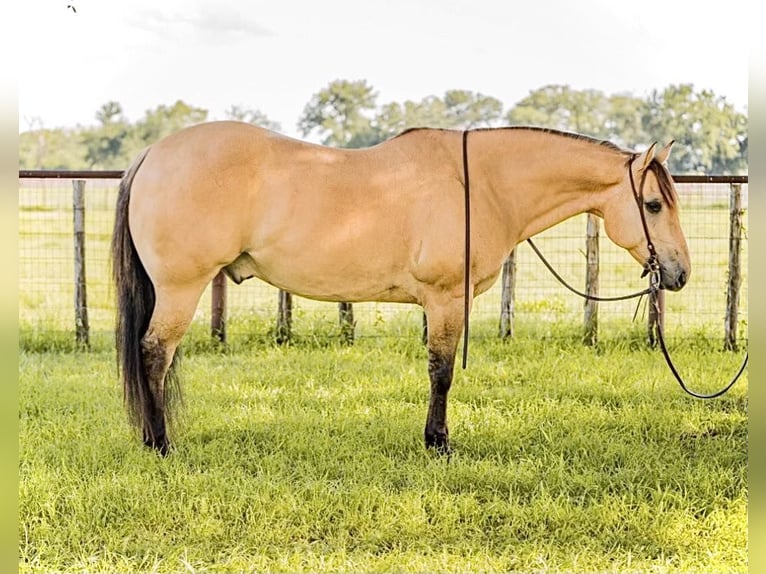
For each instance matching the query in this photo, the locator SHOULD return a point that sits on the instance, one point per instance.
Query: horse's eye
(653, 206)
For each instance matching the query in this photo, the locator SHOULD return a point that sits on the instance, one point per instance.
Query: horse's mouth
(671, 280)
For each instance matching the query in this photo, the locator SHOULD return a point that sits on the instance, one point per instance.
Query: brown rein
(651, 268)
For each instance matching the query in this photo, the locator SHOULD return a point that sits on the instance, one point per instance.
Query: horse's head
(650, 189)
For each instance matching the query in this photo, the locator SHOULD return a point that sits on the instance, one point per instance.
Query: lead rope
(652, 268)
(678, 377)
(561, 280)
(467, 271)
(653, 288)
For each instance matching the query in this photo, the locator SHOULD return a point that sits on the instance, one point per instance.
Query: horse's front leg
(444, 328)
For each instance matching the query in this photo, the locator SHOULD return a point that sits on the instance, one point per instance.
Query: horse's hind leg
(173, 312)
(157, 358)
(444, 327)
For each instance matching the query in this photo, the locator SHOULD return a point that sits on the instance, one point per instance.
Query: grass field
(309, 458)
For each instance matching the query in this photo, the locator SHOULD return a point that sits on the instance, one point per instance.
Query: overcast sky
(274, 55)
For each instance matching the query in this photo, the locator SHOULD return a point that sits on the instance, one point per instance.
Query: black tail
(135, 304)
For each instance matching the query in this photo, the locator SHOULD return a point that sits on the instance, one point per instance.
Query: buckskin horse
(393, 222)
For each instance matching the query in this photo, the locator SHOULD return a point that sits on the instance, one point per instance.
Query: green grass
(309, 458)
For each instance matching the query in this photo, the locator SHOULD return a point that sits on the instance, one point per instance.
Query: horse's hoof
(439, 443)
(162, 446)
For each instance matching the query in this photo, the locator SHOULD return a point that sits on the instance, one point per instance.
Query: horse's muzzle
(673, 280)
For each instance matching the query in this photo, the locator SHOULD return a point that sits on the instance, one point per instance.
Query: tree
(165, 120)
(393, 118)
(33, 147)
(561, 108)
(341, 114)
(623, 123)
(467, 110)
(109, 112)
(51, 148)
(459, 109)
(711, 136)
(256, 117)
(104, 145)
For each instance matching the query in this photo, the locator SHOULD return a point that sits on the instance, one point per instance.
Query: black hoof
(161, 445)
(438, 442)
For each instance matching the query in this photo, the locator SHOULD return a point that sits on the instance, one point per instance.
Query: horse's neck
(540, 179)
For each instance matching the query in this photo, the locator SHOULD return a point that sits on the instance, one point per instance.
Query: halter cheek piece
(652, 265)
(651, 268)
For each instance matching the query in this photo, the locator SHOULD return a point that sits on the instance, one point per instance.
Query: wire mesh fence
(47, 281)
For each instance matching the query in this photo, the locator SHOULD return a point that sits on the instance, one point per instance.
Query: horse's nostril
(681, 281)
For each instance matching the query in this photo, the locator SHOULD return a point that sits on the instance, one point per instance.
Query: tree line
(711, 135)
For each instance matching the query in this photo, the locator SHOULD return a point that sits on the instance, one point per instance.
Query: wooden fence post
(284, 318)
(590, 336)
(218, 308)
(346, 319)
(82, 330)
(735, 270)
(508, 296)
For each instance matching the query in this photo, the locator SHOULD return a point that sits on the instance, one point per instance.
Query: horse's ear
(663, 154)
(643, 160)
